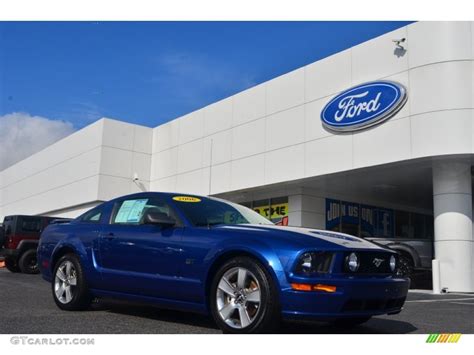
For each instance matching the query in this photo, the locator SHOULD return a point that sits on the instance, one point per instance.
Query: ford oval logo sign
(363, 106)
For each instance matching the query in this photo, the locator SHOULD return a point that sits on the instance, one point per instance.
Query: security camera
(135, 177)
(399, 42)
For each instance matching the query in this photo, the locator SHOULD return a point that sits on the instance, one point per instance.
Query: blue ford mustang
(212, 256)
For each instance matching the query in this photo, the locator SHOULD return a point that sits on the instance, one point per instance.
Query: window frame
(99, 208)
(116, 206)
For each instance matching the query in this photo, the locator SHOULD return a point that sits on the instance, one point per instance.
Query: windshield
(207, 212)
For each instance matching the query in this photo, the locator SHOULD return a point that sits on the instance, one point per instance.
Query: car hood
(303, 236)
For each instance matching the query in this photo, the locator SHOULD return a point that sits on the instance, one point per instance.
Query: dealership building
(295, 150)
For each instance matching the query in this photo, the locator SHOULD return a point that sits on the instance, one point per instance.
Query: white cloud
(22, 135)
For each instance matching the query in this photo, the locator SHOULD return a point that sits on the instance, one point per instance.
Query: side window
(133, 211)
(8, 225)
(92, 216)
(30, 224)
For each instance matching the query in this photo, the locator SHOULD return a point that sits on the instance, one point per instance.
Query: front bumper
(354, 297)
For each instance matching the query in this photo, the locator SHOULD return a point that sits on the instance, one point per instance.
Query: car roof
(158, 193)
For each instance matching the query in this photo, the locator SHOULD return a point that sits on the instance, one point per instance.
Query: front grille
(354, 305)
(371, 263)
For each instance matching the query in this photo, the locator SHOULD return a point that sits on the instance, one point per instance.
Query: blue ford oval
(207, 255)
(364, 105)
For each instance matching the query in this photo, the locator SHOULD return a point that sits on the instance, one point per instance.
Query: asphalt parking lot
(27, 307)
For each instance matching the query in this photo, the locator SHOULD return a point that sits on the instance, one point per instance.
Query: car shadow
(154, 313)
(373, 326)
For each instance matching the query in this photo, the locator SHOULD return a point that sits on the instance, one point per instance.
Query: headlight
(314, 262)
(353, 262)
(306, 262)
(393, 263)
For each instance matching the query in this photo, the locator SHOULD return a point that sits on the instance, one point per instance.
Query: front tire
(243, 298)
(11, 265)
(28, 262)
(70, 290)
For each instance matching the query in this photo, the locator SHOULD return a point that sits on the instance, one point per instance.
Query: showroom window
(402, 227)
(369, 221)
(275, 209)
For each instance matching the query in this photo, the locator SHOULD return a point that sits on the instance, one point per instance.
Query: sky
(57, 77)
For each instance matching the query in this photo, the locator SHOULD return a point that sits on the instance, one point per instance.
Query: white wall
(272, 133)
(306, 210)
(94, 164)
(63, 174)
(125, 151)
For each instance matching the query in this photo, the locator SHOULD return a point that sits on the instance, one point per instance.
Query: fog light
(393, 263)
(353, 262)
(306, 261)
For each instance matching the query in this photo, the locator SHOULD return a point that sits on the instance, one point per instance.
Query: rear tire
(11, 265)
(69, 286)
(243, 298)
(350, 322)
(28, 262)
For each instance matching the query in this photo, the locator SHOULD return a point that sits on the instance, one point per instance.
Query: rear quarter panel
(80, 239)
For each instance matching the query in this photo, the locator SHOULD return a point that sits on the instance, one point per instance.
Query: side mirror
(158, 218)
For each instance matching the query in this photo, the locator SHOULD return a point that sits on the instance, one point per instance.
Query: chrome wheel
(65, 282)
(238, 297)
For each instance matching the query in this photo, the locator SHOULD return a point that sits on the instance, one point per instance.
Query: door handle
(109, 236)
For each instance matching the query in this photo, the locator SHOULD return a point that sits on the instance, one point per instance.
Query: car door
(138, 258)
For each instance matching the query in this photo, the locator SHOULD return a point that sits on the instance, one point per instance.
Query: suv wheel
(11, 265)
(243, 298)
(28, 262)
(70, 291)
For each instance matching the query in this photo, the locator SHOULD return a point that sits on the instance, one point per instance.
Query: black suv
(19, 237)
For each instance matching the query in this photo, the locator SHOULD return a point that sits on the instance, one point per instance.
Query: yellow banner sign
(273, 211)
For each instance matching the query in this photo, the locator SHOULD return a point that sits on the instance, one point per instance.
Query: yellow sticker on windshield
(186, 199)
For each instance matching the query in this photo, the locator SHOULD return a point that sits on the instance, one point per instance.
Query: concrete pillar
(306, 211)
(453, 243)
